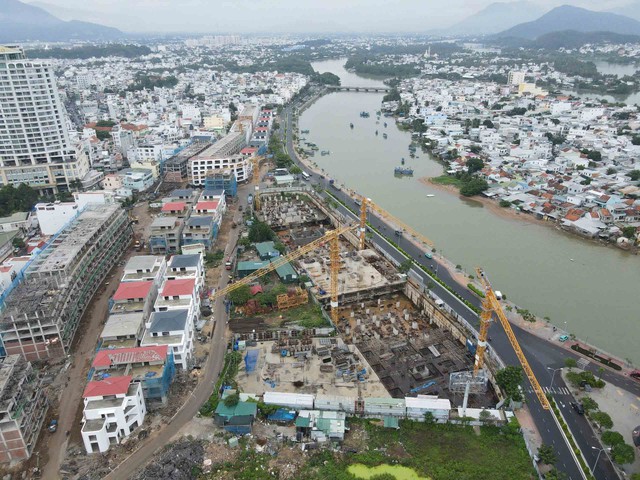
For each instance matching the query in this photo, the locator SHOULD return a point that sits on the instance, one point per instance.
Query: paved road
(215, 361)
(542, 355)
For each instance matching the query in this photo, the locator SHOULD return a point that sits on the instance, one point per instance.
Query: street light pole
(554, 374)
(600, 450)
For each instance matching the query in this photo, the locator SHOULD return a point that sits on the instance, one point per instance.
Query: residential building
(41, 314)
(145, 268)
(137, 179)
(23, 407)
(237, 419)
(122, 330)
(200, 229)
(515, 78)
(186, 266)
(134, 297)
(152, 367)
(19, 221)
(113, 408)
(35, 146)
(322, 425)
(224, 155)
(165, 235)
(175, 329)
(53, 216)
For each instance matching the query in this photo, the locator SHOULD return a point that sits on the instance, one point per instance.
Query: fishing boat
(351, 125)
(385, 124)
(429, 195)
(364, 114)
(325, 152)
(384, 135)
(376, 132)
(402, 161)
(304, 131)
(403, 171)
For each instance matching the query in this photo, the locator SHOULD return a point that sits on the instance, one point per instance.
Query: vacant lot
(437, 452)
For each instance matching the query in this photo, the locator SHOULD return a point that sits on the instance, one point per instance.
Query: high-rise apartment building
(35, 147)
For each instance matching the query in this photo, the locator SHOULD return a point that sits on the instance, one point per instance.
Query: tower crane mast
(490, 305)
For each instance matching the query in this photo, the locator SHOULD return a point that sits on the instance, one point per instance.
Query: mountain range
(496, 18)
(631, 10)
(20, 22)
(567, 17)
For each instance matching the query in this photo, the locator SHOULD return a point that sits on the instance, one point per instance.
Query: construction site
(380, 343)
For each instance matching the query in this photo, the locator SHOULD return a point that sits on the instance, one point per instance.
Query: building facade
(35, 147)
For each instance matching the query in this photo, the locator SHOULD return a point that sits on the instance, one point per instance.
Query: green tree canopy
(261, 232)
(474, 165)
(240, 295)
(623, 453)
(603, 419)
(612, 438)
(475, 186)
(547, 454)
(509, 379)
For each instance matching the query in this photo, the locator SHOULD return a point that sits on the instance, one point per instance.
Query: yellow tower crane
(490, 305)
(334, 256)
(256, 181)
(367, 203)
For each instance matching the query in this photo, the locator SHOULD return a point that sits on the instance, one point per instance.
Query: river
(584, 288)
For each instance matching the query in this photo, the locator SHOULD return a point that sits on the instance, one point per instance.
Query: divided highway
(541, 354)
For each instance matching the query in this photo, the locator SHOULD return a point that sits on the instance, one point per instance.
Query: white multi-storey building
(113, 408)
(35, 147)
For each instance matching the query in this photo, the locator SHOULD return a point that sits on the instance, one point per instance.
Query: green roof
(303, 422)
(244, 266)
(391, 422)
(241, 408)
(286, 270)
(266, 249)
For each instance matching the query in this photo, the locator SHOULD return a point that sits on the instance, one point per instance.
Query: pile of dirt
(180, 461)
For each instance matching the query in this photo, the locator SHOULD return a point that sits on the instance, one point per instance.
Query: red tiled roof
(123, 356)
(131, 290)
(108, 386)
(256, 289)
(174, 206)
(183, 286)
(210, 205)
(248, 150)
(5, 268)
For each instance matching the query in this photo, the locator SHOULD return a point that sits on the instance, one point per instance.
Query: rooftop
(200, 221)
(143, 262)
(206, 205)
(168, 321)
(108, 386)
(184, 261)
(174, 207)
(122, 325)
(133, 290)
(178, 287)
(123, 356)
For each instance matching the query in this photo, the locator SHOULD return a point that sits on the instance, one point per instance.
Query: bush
(578, 379)
(547, 454)
(601, 418)
(240, 295)
(570, 362)
(505, 203)
(612, 438)
(623, 453)
(589, 404)
(475, 290)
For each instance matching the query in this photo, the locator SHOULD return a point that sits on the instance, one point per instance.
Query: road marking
(633, 405)
(619, 392)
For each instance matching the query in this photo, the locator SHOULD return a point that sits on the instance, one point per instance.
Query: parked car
(53, 425)
(635, 374)
(578, 408)
(563, 338)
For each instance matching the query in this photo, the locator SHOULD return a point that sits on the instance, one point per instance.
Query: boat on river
(351, 125)
(385, 124)
(402, 161)
(325, 152)
(384, 135)
(403, 171)
(304, 131)
(376, 132)
(429, 195)
(364, 114)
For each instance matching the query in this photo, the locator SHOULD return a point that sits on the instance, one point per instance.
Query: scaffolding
(293, 298)
(478, 383)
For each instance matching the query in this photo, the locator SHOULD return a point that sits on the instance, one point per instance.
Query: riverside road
(541, 354)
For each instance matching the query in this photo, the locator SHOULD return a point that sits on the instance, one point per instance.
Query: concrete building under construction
(23, 406)
(41, 314)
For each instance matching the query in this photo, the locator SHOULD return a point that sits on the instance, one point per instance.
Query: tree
(429, 418)
(628, 231)
(634, 175)
(603, 419)
(486, 417)
(231, 400)
(612, 438)
(17, 242)
(570, 362)
(473, 187)
(474, 165)
(295, 170)
(509, 379)
(261, 232)
(505, 203)
(589, 404)
(240, 295)
(547, 454)
(623, 453)
(555, 474)
(488, 124)
(611, 171)
(405, 266)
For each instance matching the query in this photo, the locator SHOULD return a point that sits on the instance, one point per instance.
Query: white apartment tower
(35, 147)
(515, 78)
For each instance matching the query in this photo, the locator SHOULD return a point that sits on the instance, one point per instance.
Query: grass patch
(307, 316)
(439, 452)
(475, 290)
(229, 370)
(447, 180)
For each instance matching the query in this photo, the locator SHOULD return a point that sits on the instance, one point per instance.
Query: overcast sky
(296, 16)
